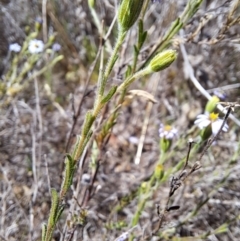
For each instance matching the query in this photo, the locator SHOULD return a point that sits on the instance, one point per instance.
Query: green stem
(78, 149)
(111, 62)
(129, 80)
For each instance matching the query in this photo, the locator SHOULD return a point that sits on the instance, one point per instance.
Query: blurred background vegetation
(37, 113)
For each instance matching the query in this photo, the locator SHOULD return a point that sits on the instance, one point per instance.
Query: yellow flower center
(167, 128)
(213, 116)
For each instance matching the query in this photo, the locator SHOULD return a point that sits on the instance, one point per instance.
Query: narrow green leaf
(88, 122)
(136, 50)
(68, 173)
(140, 27)
(59, 213)
(141, 34)
(176, 25)
(112, 64)
(87, 138)
(109, 95)
(128, 72)
(222, 229)
(88, 116)
(69, 157)
(144, 36)
(78, 140)
(54, 208)
(44, 231)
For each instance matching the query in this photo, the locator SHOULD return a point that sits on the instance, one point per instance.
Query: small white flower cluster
(167, 132)
(15, 47)
(212, 119)
(35, 46)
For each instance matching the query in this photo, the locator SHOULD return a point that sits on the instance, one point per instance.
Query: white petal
(216, 125)
(219, 122)
(161, 135)
(200, 118)
(203, 124)
(169, 136)
(204, 116)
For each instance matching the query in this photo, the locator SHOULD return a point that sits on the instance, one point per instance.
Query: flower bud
(128, 13)
(162, 60)
(159, 172)
(165, 144)
(210, 107)
(91, 3)
(143, 187)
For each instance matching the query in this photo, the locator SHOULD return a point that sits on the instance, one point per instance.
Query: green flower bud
(162, 60)
(211, 105)
(159, 172)
(91, 3)
(143, 187)
(51, 39)
(165, 144)
(128, 13)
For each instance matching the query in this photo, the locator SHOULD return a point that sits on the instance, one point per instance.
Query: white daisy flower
(212, 119)
(35, 46)
(15, 47)
(167, 132)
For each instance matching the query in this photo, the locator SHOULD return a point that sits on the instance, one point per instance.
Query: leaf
(44, 232)
(60, 210)
(68, 175)
(136, 50)
(128, 72)
(109, 95)
(141, 35)
(143, 38)
(54, 208)
(88, 122)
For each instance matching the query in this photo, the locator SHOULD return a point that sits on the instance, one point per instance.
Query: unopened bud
(211, 105)
(159, 172)
(165, 144)
(128, 13)
(162, 60)
(91, 3)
